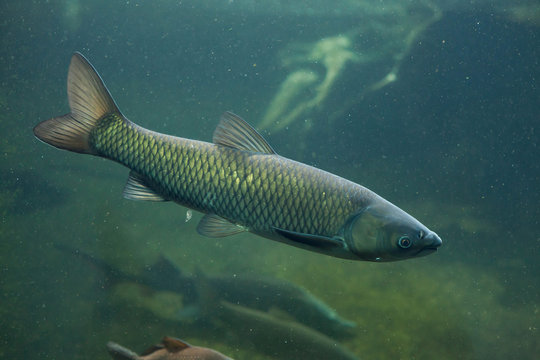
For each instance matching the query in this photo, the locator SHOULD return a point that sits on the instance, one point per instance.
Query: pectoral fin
(317, 241)
(215, 226)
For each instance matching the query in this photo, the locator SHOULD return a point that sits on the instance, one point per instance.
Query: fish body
(238, 181)
(280, 337)
(169, 349)
(270, 294)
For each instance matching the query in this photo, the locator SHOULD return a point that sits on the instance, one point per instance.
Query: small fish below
(280, 337)
(238, 181)
(169, 349)
(272, 332)
(255, 292)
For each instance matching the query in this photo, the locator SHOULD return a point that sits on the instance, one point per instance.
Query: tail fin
(118, 352)
(89, 101)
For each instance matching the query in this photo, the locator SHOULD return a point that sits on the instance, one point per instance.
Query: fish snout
(430, 244)
(432, 240)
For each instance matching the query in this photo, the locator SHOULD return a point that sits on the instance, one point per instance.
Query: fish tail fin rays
(118, 352)
(89, 101)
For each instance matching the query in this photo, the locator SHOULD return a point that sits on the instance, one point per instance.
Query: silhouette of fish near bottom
(169, 349)
(238, 181)
(255, 292)
(280, 337)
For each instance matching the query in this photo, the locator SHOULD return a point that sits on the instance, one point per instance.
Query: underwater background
(433, 105)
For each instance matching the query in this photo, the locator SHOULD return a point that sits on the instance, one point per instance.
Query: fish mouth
(427, 250)
(432, 243)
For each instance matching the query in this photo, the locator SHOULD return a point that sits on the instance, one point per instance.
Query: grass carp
(238, 181)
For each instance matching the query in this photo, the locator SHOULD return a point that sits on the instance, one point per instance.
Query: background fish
(259, 293)
(280, 337)
(169, 349)
(271, 332)
(239, 182)
(278, 295)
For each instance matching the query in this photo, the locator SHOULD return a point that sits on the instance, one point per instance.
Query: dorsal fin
(174, 345)
(232, 131)
(152, 349)
(166, 268)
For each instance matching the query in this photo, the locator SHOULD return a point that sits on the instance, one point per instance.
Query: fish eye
(404, 242)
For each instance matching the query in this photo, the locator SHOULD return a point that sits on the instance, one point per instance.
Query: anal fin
(136, 189)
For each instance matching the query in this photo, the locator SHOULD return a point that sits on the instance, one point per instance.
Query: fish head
(384, 232)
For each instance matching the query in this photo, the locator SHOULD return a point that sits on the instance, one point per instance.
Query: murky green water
(434, 108)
